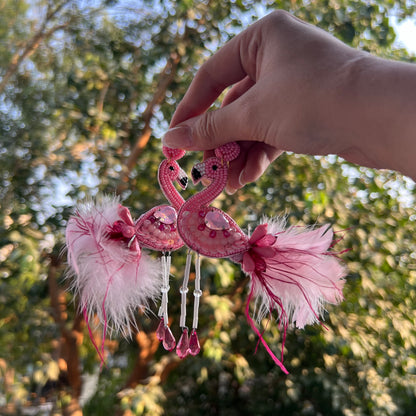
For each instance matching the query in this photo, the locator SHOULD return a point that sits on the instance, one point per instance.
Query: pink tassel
(292, 272)
(110, 273)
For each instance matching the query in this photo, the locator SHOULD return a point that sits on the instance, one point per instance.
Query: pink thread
(254, 328)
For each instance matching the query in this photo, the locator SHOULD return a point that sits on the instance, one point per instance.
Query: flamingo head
(211, 169)
(173, 172)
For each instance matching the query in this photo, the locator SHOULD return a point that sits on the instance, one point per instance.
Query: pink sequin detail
(215, 220)
(166, 215)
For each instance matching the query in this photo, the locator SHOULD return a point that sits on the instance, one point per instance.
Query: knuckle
(206, 127)
(278, 17)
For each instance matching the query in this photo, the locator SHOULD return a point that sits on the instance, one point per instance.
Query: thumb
(212, 129)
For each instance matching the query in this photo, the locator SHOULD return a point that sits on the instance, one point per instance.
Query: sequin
(215, 220)
(166, 215)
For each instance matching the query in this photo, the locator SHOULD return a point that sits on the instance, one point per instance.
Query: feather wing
(111, 276)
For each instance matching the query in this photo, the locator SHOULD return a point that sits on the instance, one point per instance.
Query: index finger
(224, 68)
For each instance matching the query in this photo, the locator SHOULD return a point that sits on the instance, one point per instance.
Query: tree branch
(166, 77)
(70, 338)
(32, 45)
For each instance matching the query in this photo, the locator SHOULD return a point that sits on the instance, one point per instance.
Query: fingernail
(241, 179)
(178, 137)
(229, 190)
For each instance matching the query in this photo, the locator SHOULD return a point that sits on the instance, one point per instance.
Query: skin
(296, 88)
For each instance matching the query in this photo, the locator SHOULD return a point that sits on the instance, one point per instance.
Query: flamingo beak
(198, 171)
(182, 179)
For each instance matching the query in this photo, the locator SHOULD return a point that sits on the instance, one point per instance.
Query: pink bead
(182, 349)
(201, 214)
(194, 346)
(201, 227)
(160, 331)
(213, 234)
(169, 341)
(226, 233)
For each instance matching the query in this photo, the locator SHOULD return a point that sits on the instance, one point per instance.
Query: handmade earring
(157, 230)
(109, 271)
(291, 269)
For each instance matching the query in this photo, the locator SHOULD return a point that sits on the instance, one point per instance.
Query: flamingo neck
(207, 195)
(169, 190)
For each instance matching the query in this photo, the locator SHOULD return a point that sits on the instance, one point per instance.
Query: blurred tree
(85, 88)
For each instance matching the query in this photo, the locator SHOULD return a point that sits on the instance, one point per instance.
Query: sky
(406, 34)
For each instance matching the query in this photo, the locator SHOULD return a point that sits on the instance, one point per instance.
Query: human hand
(294, 88)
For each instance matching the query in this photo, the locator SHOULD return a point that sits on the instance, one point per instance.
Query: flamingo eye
(214, 167)
(171, 168)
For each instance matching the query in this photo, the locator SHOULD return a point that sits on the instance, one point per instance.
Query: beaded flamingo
(157, 230)
(111, 273)
(291, 270)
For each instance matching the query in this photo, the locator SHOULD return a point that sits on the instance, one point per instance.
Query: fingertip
(230, 190)
(179, 137)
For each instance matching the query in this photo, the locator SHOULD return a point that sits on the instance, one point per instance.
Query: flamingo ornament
(109, 271)
(157, 230)
(290, 269)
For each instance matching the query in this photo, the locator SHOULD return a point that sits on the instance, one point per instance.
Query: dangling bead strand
(194, 346)
(163, 331)
(182, 349)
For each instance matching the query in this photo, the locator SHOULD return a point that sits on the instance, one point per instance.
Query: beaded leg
(182, 349)
(194, 346)
(163, 331)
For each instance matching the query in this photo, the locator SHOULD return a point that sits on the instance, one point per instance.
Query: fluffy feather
(293, 272)
(110, 273)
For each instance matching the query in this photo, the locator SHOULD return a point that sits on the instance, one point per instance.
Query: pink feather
(293, 272)
(110, 273)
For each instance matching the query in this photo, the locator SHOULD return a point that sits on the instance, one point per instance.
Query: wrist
(379, 114)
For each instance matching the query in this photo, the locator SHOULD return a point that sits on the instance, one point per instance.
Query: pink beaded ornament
(109, 271)
(157, 230)
(291, 269)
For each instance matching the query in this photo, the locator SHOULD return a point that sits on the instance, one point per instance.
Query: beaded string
(163, 331)
(182, 349)
(197, 292)
(194, 346)
(184, 290)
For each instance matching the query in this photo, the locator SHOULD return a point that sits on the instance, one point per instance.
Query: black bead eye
(214, 167)
(171, 168)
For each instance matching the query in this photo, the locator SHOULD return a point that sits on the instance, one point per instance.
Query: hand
(295, 88)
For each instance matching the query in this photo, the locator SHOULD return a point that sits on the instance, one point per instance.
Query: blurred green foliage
(90, 82)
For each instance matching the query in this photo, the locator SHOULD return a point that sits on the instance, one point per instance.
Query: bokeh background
(87, 89)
